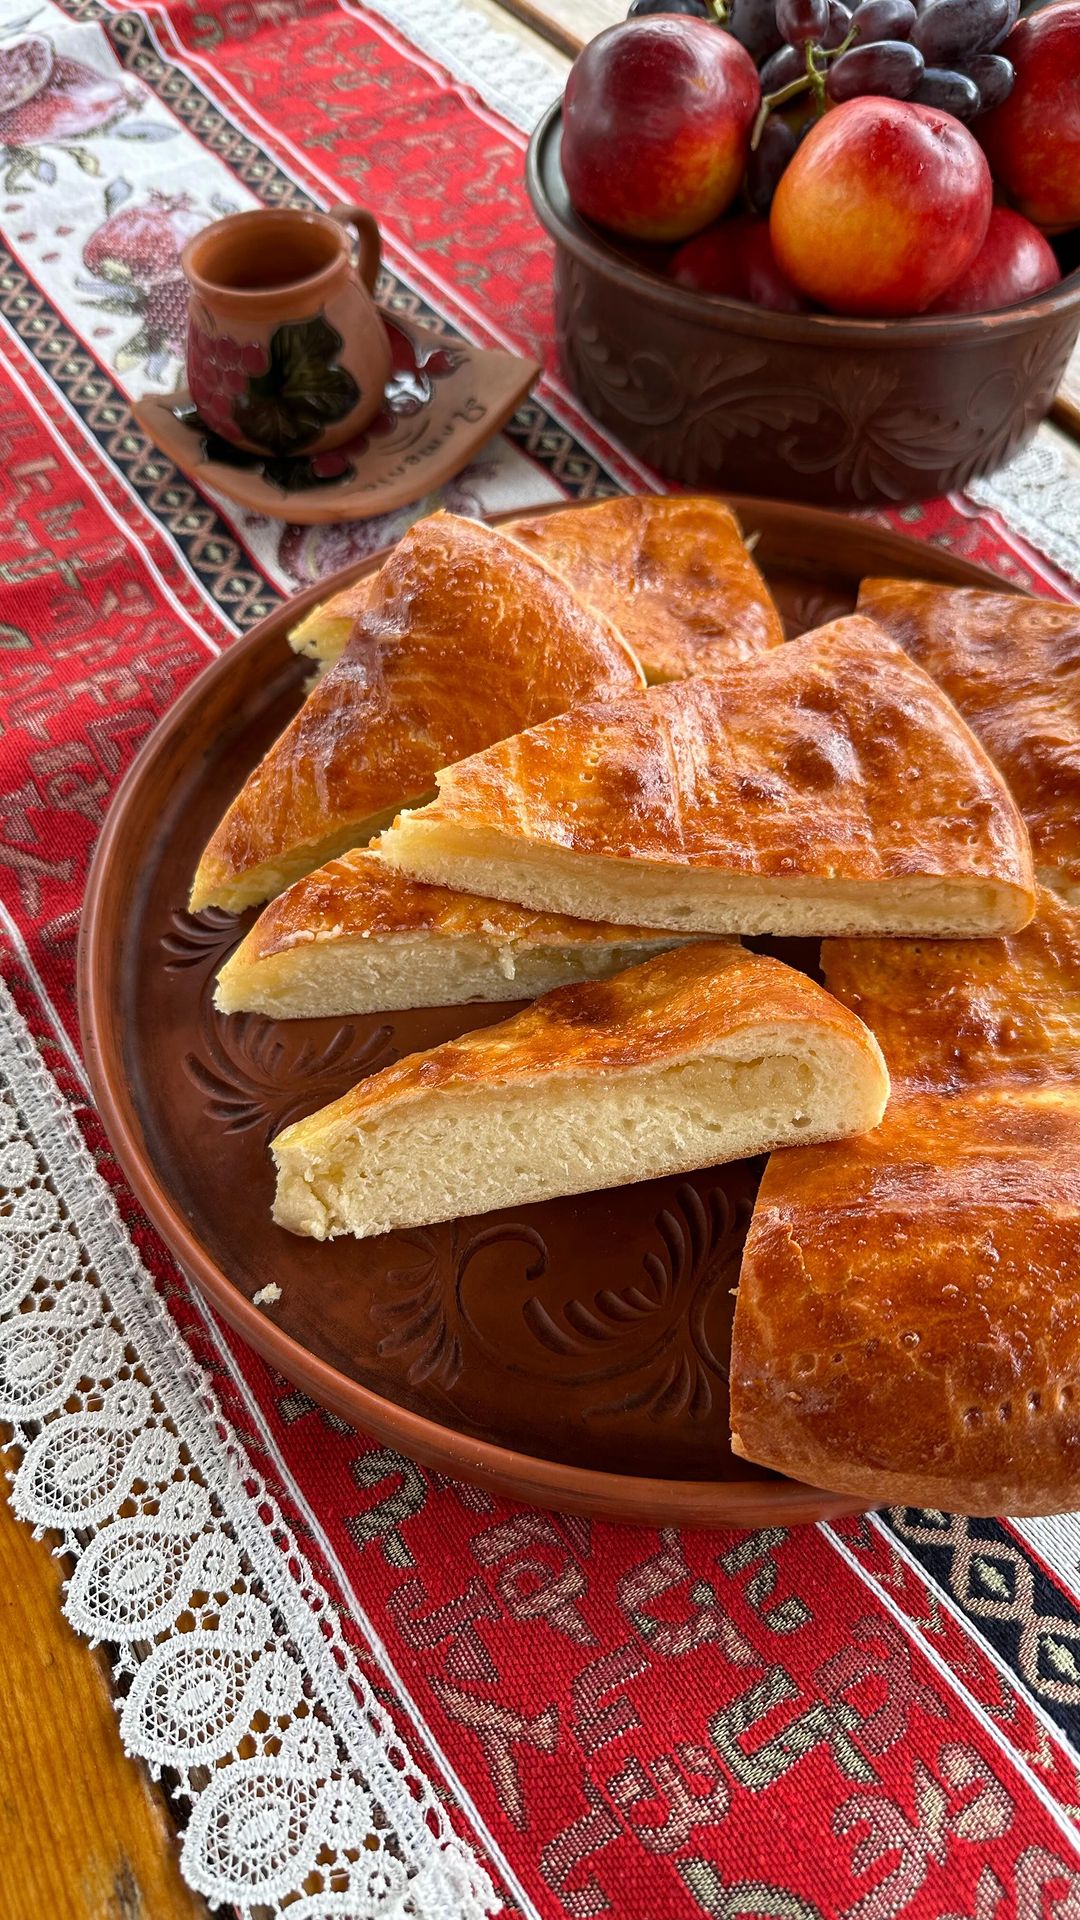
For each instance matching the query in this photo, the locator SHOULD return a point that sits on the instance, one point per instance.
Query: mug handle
(369, 243)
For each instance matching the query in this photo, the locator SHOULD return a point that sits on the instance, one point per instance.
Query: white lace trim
(233, 1673)
(520, 81)
(1038, 493)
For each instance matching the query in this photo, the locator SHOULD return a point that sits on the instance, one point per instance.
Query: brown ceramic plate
(571, 1354)
(443, 400)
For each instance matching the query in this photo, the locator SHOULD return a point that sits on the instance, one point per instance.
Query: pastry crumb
(267, 1295)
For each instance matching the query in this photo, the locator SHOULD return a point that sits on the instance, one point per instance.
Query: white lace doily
(233, 1674)
(1038, 493)
(518, 78)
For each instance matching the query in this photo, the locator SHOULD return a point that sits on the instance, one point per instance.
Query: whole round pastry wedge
(358, 937)
(1012, 666)
(465, 638)
(826, 786)
(704, 1054)
(671, 572)
(907, 1324)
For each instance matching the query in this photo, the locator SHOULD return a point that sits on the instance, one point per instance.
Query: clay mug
(286, 353)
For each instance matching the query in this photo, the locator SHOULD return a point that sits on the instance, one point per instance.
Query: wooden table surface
(566, 24)
(84, 1833)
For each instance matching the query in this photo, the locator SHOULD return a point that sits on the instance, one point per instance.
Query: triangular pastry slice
(907, 1324)
(465, 638)
(703, 1054)
(1012, 666)
(828, 786)
(358, 937)
(672, 573)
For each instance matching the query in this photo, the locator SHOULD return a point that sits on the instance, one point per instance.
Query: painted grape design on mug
(281, 396)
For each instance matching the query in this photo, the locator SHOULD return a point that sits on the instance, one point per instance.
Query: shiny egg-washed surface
(673, 574)
(464, 639)
(1012, 666)
(970, 1013)
(908, 1317)
(834, 757)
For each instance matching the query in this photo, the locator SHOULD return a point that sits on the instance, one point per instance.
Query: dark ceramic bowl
(844, 413)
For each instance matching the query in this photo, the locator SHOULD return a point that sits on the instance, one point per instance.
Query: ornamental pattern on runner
(124, 299)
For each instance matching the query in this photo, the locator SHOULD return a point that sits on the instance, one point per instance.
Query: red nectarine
(884, 204)
(656, 125)
(1014, 263)
(1033, 139)
(736, 257)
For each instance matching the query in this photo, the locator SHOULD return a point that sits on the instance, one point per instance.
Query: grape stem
(721, 11)
(817, 59)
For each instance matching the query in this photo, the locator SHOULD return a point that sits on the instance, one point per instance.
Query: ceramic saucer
(443, 400)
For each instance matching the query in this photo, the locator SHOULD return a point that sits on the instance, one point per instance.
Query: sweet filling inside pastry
(359, 937)
(264, 882)
(703, 1054)
(472, 1151)
(689, 899)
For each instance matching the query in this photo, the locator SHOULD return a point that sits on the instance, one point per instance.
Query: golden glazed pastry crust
(907, 1324)
(828, 785)
(358, 937)
(672, 573)
(662, 1068)
(1012, 666)
(465, 638)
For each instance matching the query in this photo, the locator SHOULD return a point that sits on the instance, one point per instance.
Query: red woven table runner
(871, 1719)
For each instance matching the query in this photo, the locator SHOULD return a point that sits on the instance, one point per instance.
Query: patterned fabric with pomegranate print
(49, 101)
(532, 1714)
(133, 268)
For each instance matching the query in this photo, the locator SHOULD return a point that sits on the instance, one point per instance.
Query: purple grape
(948, 91)
(839, 25)
(1011, 18)
(883, 20)
(638, 9)
(782, 68)
(753, 24)
(767, 162)
(951, 30)
(801, 21)
(891, 67)
(994, 76)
